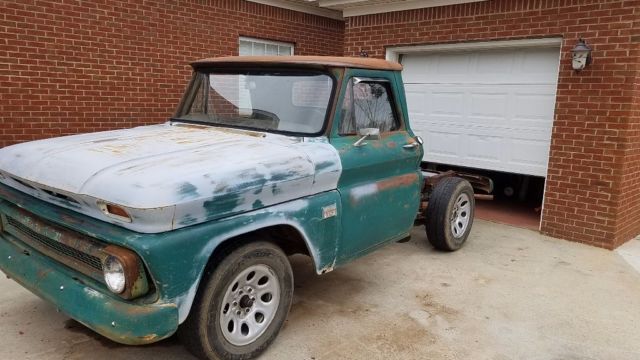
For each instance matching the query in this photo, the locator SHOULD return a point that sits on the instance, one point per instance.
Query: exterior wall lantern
(581, 55)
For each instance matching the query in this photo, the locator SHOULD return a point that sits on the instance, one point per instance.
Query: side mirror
(367, 133)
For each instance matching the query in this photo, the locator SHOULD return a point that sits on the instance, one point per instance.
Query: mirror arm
(360, 142)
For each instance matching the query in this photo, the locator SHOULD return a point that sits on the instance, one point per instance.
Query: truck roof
(302, 61)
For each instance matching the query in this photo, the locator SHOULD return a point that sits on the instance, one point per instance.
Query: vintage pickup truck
(186, 226)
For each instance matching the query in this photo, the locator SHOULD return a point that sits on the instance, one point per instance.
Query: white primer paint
(363, 191)
(93, 293)
(171, 175)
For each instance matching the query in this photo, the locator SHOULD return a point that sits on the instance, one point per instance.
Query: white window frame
(264, 43)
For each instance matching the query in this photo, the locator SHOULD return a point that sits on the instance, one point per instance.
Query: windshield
(287, 102)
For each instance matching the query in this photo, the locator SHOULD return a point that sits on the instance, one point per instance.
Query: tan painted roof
(351, 62)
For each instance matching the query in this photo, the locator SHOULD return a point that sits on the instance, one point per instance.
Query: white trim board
(309, 9)
(340, 9)
(393, 53)
(357, 8)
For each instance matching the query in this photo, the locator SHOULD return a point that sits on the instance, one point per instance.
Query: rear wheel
(242, 306)
(449, 215)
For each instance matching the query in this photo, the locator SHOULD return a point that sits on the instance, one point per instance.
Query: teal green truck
(186, 226)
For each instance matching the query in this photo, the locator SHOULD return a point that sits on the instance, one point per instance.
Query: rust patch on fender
(71, 219)
(371, 189)
(397, 181)
(42, 273)
(149, 338)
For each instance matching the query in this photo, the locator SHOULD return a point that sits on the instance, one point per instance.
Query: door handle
(410, 145)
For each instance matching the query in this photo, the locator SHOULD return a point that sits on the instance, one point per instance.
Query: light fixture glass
(580, 55)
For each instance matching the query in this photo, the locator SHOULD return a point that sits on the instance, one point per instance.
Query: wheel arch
(276, 232)
(290, 237)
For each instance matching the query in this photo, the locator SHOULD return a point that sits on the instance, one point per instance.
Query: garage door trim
(393, 53)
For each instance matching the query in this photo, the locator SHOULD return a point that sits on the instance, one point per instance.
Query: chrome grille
(58, 247)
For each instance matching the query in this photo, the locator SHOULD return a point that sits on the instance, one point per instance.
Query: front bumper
(126, 322)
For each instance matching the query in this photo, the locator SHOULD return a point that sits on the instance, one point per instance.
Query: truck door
(380, 182)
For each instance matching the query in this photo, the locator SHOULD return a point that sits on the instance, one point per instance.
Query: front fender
(176, 259)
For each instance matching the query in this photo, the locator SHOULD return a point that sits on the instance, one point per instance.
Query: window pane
(272, 49)
(245, 48)
(312, 92)
(248, 46)
(367, 105)
(258, 49)
(288, 102)
(284, 50)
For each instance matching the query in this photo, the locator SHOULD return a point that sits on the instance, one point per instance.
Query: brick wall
(79, 66)
(592, 191)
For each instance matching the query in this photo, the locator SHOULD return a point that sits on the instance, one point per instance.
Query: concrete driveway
(509, 294)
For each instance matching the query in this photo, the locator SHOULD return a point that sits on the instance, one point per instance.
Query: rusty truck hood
(171, 175)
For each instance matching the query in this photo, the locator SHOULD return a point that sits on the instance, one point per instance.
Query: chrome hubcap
(460, 215)
(249, 305)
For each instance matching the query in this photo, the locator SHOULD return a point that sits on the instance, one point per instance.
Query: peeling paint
(324, 165)
(162, 174)
(187, 220)
(258, 204)
(398, 181)
(187, 190)
(93, 293)
(361, 191)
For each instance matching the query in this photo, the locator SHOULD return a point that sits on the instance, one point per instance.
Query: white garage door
(488, 109)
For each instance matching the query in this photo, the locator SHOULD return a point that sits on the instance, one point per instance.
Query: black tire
(202, 333)
(440, 213)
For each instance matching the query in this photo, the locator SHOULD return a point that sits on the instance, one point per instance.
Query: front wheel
(242, 306)
(449, 215)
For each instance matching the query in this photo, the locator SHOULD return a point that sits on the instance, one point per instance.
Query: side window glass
(367, 104)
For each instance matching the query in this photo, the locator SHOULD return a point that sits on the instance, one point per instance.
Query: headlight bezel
(135, 279)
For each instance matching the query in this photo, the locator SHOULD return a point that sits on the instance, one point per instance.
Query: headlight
(114, 275)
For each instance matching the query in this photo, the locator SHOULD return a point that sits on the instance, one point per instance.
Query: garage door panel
(541, 65)
(490, 146)
(481, 107)
(534, 106)
(488, 151)
(490, 109)
(445, 102)
(531, 154)
(438, 144)
(505, 66)
(488, 105)
(505, 135)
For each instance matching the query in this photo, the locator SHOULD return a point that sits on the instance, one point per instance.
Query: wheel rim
(460, 215)
(249, 305)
